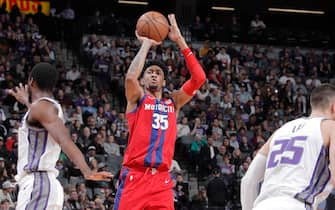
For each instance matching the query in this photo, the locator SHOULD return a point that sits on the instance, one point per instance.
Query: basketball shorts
(281, 203)
(40, 190)
(146, 189)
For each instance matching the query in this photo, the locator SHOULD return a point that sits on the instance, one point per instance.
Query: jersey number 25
(287, 151)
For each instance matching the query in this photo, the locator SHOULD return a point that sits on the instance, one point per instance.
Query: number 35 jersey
(297, 163)
(152, 134)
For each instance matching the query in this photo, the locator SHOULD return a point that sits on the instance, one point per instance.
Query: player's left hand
(20, 93)
(100, 176)
(174, 33)
(144, 39)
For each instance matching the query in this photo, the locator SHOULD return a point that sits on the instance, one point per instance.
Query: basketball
(153, 25)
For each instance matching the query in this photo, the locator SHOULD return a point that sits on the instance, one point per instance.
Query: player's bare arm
(332, 157)
(198, 76)
(134, 91)
(254, 175)
(328, 133)
(46, 114)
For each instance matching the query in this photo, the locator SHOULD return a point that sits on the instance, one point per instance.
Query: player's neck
(318, 113)
(156, 94)
(40, 94)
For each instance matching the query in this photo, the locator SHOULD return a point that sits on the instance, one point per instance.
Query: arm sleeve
(198, 76)
(251, 180)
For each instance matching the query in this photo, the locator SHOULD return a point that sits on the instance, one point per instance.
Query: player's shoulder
(42, 106)
(328, 124)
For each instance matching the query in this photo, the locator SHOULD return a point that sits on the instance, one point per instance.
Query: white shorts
(40, 191)
(281, 203)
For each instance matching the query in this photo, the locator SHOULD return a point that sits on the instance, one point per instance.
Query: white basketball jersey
(297, 163)
(37, 150)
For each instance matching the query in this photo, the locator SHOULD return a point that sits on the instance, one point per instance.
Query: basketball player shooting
(145, 182)
(42, 136)
(297, 164)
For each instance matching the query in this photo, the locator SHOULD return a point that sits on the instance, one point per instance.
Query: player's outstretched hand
(100, 176)
(143, 39)
(20, 93)
(174, 33)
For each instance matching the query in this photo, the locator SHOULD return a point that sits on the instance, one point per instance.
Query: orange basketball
(153, 25)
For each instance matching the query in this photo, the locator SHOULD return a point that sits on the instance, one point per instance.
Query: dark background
(187, 9)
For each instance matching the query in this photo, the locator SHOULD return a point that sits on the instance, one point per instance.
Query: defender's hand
(20, 93)
(99, 176)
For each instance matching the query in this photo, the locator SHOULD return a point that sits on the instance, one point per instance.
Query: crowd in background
(250, 91)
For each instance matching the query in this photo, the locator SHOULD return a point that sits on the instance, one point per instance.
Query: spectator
(73, 201)
(208, 154)
(175, 168)
(5, 205)
(74, 137)
(200, 200)
(227, 168)
(181, 194)
(245, 147)
(183, 128)
(257, 27)
(109, 201)
(224, 59)
(6, 192)
(122, 141)
(73, 74)
(198, 128)
(233, 141)
(217, 191)
(111, 147)
(196, 146)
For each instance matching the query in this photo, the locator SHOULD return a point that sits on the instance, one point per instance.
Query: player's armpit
(266, 147)
(180, 98)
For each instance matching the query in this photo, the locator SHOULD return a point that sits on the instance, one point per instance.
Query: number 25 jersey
(152, 134)
(297, 163)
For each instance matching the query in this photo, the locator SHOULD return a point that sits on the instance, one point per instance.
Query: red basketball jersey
(152, 134)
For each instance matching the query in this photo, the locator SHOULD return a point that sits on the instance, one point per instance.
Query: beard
(153, 88)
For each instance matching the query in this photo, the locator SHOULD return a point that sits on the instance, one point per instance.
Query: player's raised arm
(133, 89)
(255, 174)
(198, 76)
(46, 114)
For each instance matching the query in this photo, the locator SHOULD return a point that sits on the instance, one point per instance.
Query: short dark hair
(216, 171)
(156, 63)
(45, 75)
(322, 96)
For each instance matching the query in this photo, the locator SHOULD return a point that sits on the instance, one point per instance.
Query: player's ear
(31, 82)
(164, 83)
(333, 107)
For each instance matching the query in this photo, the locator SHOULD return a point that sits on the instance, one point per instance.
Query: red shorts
(146, 188)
